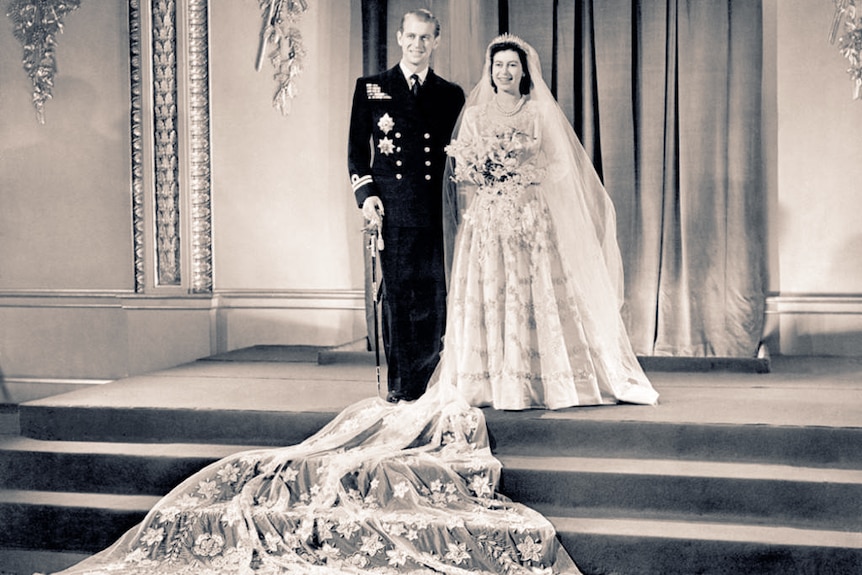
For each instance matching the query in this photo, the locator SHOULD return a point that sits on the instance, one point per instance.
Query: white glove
(372, 209)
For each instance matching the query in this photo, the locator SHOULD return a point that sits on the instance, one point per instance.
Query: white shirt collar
(407, 73)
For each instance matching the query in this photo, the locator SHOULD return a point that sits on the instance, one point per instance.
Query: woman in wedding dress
(412, 487)
(536, 281)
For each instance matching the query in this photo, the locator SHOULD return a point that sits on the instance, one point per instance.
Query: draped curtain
(665, 95)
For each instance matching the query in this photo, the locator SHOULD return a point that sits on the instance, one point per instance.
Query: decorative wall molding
(136, 126)
(353, 300)
(347, 299)
(199, 147)
(170, 145)
(814, 304)
(164, 60)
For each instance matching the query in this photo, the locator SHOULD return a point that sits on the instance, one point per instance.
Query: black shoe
(393, 397)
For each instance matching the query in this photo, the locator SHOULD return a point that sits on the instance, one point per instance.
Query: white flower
(329, 552)
(371, 545)
(457, 553)
(529, 549)
(153, 536)
(479, 485)
(228, 473)
(289, 474)
(386, 146)
(208, 489)
(395, 529)
(386, 123)
(273, 542)
(208, 545)
(401, 489)
(358, 560)
(347, 528)
(397, 557)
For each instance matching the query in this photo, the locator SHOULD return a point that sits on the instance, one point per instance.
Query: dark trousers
(413, 306)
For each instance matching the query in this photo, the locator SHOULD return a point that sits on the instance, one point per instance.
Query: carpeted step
(27, 561)
(103, 467)
(530, 432)
(636, 546)
(565, 433)
(85, 523)
(787, 493)
(138, 425)
(791, 495)
(69, 522)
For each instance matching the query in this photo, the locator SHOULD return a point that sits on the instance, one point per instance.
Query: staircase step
(790, 494)
(103, 467)
(58, 521)
(670, 547)
(86, 523)
(566, 433)
(27, 562)
(531, 432)
(138, 425)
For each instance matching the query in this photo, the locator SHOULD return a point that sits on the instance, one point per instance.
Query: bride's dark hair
(526, 80)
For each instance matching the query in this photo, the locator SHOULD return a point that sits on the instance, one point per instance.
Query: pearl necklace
(515, 109)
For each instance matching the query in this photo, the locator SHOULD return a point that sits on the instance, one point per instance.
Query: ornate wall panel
(173, 247)
(166, 159)
(199, 147)
(137, 140)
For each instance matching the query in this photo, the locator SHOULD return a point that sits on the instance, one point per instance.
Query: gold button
(397, 134)
(397, 176)
(427, 136)
(427, 162)
(398, 149)
(427, 149)
(398, 162)
(427, 176)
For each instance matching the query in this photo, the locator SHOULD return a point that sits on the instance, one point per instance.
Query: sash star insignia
(386, 146)
(386, 123)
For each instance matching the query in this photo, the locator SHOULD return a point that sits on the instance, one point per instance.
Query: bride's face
(507, 71)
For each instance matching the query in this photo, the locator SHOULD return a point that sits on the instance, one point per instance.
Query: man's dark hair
(425, 16)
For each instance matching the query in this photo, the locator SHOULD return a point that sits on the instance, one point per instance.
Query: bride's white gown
(522, 333)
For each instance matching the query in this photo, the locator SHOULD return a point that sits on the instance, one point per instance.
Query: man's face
(417, 42)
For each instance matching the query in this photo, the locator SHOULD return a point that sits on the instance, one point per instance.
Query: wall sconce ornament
(287, 52)
(36, 25)
(850, 42)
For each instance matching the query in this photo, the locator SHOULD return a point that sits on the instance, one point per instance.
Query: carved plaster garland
(850, 42)
(37, 23)
(287, 51)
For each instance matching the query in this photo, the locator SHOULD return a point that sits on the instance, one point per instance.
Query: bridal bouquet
(494, 160)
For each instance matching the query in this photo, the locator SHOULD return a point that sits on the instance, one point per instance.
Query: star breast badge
(386, 146)
(386, 123)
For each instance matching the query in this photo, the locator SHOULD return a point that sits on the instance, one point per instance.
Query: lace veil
(583, 216)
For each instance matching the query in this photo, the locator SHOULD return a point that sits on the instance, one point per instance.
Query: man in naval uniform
(400, 122)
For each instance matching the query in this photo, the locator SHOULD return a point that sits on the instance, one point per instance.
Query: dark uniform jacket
(395, 147)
